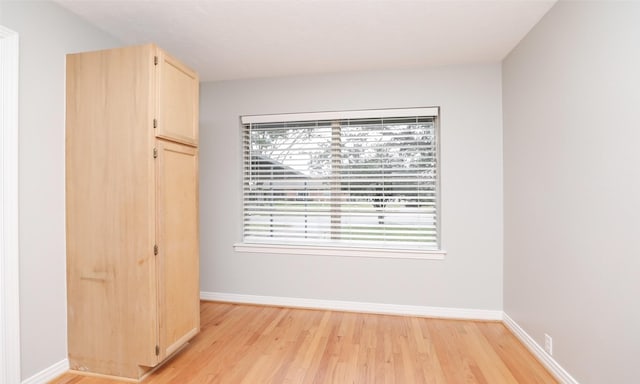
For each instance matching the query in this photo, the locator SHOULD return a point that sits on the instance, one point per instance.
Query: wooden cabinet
(132, 209)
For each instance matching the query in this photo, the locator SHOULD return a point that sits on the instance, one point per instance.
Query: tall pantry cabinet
(132, 209)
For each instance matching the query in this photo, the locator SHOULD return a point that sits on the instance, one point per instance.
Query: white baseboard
(49, 374)
(355, 306)
(548, 361)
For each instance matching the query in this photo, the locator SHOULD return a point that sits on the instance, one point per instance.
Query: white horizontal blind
(369, 182)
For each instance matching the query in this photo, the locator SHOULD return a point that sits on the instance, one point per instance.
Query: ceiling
(235, 39)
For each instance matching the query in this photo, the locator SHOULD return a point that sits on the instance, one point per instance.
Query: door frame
(9, 255)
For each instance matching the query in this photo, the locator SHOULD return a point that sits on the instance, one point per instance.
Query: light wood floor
(256, 345)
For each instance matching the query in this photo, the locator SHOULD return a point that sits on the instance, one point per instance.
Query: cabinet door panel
(178, 101)
(178, 251)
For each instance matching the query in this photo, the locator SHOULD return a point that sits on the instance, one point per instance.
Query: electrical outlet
(548, 344)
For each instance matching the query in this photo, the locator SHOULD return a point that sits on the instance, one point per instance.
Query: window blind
(361, 182)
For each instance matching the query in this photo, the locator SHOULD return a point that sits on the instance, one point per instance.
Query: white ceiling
(236, 39)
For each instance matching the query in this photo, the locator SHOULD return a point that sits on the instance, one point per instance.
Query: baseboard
(548, 361)
(355, 306)
(48, 374)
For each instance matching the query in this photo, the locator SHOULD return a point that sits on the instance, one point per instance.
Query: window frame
(344, 250)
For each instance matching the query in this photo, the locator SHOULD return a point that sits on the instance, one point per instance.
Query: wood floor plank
(261, 345)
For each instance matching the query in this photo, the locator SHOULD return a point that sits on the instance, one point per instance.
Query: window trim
(341, 250)
(313, 250)
(341, 115)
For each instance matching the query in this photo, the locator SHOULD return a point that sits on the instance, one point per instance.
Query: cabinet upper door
(177, 101)
(178, 256)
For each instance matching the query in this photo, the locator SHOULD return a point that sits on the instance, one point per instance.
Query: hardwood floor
(256, 345)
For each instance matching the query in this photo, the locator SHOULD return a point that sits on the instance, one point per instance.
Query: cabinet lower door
(178, 253)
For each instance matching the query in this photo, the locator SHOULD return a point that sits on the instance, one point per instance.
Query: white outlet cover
(548, 344)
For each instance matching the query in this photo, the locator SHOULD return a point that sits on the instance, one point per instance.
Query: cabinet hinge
(155, 152)
(157, 350)
(155, 123)
(155, 60)
(155, 250)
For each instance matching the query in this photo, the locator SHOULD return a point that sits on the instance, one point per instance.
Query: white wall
(47, 33)
(571, 92)
(471, 142)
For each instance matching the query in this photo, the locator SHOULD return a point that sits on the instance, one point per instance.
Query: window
(353, 180)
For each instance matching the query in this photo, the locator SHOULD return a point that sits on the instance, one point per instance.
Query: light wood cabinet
(132, 209)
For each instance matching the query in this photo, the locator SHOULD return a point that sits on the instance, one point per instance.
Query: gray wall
(571, 92)
(47, 33)
(471, 142)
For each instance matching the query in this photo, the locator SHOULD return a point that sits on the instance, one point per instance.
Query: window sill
(341, 251)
